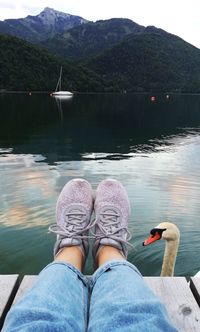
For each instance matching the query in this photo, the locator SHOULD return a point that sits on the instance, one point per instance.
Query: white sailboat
(58, 91)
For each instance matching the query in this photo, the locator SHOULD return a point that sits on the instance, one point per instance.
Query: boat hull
(62, 93)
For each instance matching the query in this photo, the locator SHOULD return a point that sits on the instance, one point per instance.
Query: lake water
(153, 148)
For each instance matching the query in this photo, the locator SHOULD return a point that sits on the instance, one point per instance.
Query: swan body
(170, 233)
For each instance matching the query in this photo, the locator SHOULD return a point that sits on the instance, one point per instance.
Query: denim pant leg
(58, 301)
(121, 301)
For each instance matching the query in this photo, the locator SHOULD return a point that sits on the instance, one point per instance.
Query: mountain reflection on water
(152, 147)
(113, 125)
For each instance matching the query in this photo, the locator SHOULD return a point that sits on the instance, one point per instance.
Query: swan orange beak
(152, 238)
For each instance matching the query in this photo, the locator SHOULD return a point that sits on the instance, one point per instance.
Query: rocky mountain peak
(50, 13)
(60, 21)
(46, 24)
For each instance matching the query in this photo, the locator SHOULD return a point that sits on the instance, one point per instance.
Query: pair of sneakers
(74, 209)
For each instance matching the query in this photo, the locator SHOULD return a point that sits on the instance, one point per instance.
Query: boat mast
(60, 77)
(59, 81)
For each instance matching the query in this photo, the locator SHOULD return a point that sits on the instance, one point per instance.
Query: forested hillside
(24, 66)
(92, 38)
(152, 60)
(112, 55)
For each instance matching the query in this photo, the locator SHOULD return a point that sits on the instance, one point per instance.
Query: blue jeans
(114, 299)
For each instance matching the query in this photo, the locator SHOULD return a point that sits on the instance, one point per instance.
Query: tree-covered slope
(152, 60)
(27, 67)
(90, 39)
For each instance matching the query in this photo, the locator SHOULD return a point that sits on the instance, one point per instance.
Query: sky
(180, 17)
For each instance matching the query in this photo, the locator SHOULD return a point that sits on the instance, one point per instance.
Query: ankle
(108, 253)
(71, 255)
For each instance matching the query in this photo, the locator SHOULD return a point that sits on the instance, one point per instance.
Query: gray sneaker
(112, 210)
(73, 212)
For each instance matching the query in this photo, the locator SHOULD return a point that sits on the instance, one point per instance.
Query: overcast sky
(180, 17)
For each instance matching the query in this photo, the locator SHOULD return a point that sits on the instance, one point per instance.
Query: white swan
(169, 232)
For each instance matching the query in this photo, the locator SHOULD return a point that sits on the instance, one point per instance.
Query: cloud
(7, 5)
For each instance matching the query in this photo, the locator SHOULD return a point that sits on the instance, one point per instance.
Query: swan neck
(169, 259)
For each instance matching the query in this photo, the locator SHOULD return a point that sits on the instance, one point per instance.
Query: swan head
(165, 230)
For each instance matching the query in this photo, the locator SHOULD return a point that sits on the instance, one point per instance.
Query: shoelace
(74, 227)
(108, 224)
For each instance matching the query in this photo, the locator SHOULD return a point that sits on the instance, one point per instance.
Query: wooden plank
(8, 288)
(195, 288)
(177, 297)
(25, 285)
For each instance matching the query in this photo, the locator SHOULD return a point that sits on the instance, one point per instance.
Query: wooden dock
(182, 300)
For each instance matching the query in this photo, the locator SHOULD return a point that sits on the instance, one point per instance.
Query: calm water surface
(153, 148)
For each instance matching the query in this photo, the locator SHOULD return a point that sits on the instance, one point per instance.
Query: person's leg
(58, 300)
(120, 299)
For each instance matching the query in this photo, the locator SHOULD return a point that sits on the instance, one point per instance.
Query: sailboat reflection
(59, 97)
(59, 101)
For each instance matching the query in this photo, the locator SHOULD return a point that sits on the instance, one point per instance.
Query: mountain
(111, 55)
(69, 36)
(24, 66)
(37, 28)
(152, 60)
(149, 61)
(90, 39)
